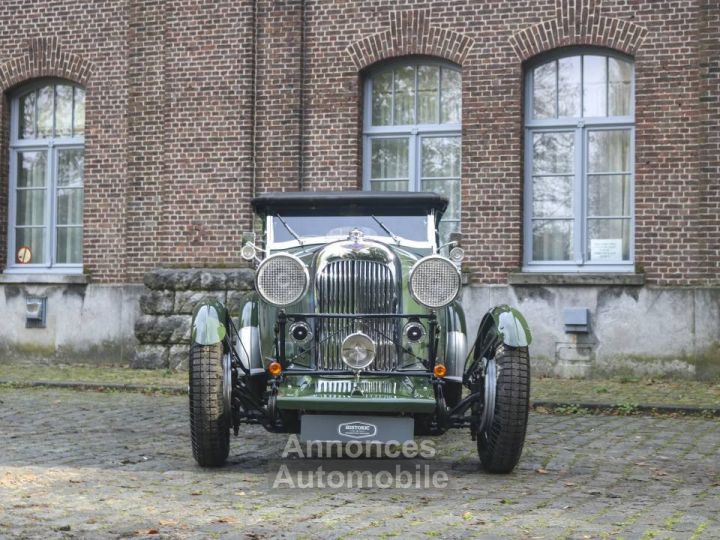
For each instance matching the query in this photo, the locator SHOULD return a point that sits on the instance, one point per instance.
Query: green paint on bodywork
(208, 323)
(501, 324)
(393, 394)
(511, 326)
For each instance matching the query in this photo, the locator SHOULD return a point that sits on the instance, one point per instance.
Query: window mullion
(414, 156)
(415, 95)
(527, 220)
(392, 101)
(52, 202)
(557, 89)
(12, 218)
(36, 119)
(441, 71)
(580, 226)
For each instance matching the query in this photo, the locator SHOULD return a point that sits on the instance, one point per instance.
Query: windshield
(410, 228)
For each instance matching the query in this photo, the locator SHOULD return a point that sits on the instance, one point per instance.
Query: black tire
(209, 416)
(500, 444)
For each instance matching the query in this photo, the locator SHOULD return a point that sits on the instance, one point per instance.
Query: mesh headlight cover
(281, 279)
(434, 281)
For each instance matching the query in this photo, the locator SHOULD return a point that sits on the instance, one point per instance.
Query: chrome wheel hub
(227, 382)
(490, 390)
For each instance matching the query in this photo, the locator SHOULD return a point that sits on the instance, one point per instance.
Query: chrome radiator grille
(356, 286)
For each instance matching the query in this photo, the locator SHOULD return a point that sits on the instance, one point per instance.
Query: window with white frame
(47, 137)
(579, 136)
(412, 139)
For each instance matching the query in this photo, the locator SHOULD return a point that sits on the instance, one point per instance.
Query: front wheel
(210, 413)
(500, 443)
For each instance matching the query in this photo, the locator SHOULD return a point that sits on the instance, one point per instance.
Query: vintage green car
(355, 333)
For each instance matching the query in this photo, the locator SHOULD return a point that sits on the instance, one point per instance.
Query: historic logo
(357, 430)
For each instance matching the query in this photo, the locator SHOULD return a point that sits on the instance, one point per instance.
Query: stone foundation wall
(163, 328)
(633, 330)
(86, 323)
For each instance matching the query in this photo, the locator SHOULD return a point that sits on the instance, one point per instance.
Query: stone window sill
(44, 279)
(559, 278)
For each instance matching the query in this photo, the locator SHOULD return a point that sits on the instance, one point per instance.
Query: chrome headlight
(434, 281)
(282, 279)
(358, 351)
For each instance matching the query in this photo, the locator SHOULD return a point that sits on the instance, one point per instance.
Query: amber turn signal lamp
(274, 369)
(440, 371)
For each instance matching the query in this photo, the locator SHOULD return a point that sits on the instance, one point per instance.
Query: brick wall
(172, 157)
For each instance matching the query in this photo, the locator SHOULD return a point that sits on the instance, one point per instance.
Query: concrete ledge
(557, 278)
(44, 279)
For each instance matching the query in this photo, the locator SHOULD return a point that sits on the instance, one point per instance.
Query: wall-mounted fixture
(35, 311)
(576, 320)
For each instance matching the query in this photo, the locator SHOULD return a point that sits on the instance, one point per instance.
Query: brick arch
(410, 33)
(578, 22)
(44, 58)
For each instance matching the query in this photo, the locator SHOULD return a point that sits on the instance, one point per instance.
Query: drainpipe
(253, 104)
(301, 143)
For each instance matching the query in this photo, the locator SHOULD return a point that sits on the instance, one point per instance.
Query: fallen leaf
(541, 471)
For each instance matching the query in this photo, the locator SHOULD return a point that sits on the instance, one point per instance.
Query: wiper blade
(289, 229)
(392, 235)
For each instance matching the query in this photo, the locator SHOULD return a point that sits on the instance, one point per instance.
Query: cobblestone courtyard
(109, 465)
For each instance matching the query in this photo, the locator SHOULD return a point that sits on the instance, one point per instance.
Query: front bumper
(382, 394)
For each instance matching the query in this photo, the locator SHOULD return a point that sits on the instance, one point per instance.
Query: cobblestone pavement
(117, 465)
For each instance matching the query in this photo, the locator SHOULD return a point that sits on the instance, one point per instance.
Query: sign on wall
(606, 249)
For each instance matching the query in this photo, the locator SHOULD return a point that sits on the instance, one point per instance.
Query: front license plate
(346, 428)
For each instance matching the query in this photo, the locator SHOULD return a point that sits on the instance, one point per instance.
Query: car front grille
(353, 287)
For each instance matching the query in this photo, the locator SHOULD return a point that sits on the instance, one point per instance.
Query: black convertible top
(350, 203)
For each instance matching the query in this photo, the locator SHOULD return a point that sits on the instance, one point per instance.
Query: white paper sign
(606, 249)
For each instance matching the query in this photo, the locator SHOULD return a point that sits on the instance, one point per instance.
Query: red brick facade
(193, 105)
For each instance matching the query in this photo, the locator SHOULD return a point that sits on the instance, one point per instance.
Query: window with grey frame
(579, 180)
(47, 144)
(412, 132)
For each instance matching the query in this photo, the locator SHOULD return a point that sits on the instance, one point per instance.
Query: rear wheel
(500, 443)
(210, 413)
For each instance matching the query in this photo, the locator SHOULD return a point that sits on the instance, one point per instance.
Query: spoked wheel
(210, 406)
(507, 401)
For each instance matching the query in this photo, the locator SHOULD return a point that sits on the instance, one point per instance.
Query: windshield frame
(430, 243)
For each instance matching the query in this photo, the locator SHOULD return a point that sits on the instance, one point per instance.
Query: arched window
(47, 138)
(412, 138)
(579, 133)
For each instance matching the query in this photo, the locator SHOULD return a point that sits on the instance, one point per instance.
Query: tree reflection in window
(579, 174)
(412, 132)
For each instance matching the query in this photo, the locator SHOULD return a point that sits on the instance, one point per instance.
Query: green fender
(209, 322)
(511, 326)
(249, 344)
(501, 324)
